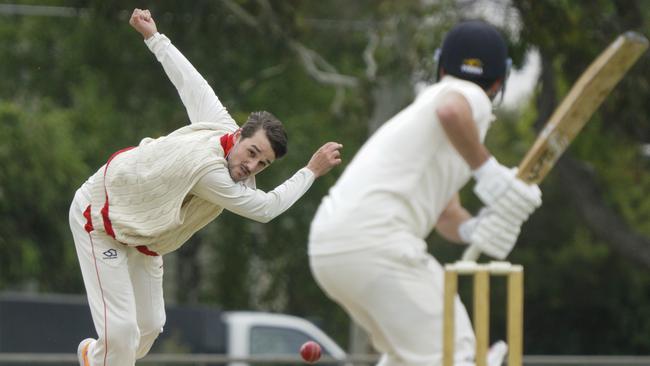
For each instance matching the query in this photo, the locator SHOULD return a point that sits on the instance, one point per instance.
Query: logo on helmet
(472, 66)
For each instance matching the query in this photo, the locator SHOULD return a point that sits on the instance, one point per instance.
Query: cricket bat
(576, 109)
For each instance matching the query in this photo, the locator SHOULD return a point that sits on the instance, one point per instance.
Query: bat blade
(576, 109)
(580, 103)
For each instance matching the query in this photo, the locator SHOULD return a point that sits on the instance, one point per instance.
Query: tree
(81, 85)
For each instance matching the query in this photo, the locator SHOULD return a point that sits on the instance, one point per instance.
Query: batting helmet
(474, 50)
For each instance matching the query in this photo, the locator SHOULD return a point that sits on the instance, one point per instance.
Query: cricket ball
(310, 351)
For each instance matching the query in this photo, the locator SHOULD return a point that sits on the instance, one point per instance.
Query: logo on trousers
(110, 254)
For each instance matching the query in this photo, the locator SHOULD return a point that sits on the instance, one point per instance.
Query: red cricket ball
(310, 351)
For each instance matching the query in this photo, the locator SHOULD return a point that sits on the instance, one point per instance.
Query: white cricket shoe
(497, 353)
(82, 352)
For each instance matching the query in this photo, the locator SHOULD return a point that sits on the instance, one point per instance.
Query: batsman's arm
(200, 101)
(494, 182)
(456, 119)
(450, 220)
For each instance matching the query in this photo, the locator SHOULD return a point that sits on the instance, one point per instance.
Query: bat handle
(472, 253)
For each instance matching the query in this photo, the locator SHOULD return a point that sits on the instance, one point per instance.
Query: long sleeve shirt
(203, 105)
(165, 189)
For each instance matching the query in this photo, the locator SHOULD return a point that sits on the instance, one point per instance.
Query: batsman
(149, 200)
(367, 244)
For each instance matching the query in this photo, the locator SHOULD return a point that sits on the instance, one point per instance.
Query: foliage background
(75, 88)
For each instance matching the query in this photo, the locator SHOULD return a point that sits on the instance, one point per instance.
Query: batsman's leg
(395, 293)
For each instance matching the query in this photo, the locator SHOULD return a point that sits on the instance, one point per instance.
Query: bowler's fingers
(146, 16)
(139, 14)
(336, 159)
(333, 152)
(134, 16)
(332, 147)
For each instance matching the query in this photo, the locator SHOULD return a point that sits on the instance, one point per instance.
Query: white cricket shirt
(401, 179)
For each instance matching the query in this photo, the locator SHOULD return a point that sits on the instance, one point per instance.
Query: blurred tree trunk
(581, 184)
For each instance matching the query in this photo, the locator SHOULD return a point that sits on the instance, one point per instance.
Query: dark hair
(272, 127)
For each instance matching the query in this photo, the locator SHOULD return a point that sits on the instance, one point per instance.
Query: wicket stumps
(481, 311)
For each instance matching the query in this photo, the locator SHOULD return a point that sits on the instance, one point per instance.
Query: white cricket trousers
(124, 289)
(395, 293)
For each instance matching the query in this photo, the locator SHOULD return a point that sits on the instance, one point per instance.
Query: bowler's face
(249, 156)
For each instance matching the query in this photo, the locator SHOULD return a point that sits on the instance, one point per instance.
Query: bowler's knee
(123, 337)
(150, 325)
(149, 331)
(146, 342)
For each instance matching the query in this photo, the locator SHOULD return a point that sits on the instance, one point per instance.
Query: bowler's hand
(142, 21)
(325, 158)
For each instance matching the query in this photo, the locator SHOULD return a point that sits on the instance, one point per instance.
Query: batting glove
(498, 187)
(491, 232)
(467, 227)
(492, 181)
(495, 236)
(519, 201)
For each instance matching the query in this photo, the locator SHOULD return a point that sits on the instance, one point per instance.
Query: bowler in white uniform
(148, 200)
